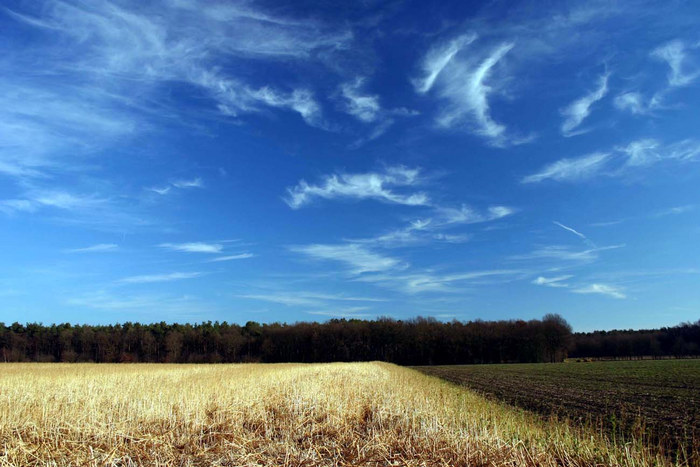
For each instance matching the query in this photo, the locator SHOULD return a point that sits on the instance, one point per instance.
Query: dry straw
(296, 415)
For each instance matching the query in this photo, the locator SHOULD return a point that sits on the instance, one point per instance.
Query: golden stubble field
(286, 414)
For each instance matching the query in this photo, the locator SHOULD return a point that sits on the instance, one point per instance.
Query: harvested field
(656, 402)
(287, 414)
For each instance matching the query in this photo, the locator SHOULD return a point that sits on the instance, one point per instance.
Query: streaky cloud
(618, 162)
(193, 247)
(467, 89)
(358, 258)
(232, 257)
(437, 58)
(570, 169)
(556, 282)
(565, 253)
(575, 232)
(194, 183)
(152, 278)
(372, 185)
(674, 53)
(424, 282)
(601, 289)
(364, 107)
(576, 112)
(99, 248)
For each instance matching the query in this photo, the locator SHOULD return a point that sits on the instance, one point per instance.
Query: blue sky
(282, 161)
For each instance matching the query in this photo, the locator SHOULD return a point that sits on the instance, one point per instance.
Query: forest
(419, 341)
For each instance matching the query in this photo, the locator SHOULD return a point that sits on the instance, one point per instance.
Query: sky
(186, 161)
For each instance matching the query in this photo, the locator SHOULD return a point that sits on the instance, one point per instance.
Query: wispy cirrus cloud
(95, 75)
(556, 282)
(361, 105)
(194, 247)
(463, 82)
(601, 289)
(576, 112)
(585, 239)
(182, 184)
(468, 215)
(432, 229)
(423, 282)
(99, 248)
(307, 298)
(37, 199)
(187, 42)
(193, 183)
(359, 259)
(647, 152)
(153, 278)
(366, 108)
(674, 53)
(231, 257)
(437, 58)
(617, 162)
(570, 169)
(636, 103)
(182, 306)
(565, 253)
(372, 185)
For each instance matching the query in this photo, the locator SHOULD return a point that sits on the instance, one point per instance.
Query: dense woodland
(418, 341)
(677, 341)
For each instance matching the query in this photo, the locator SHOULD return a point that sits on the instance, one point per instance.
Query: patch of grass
(287, 414)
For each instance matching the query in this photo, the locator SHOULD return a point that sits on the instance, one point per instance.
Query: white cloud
(301, 101)
(674, 211)
(431, 282)
(635, 103)
(357, 257)
(184, 306)
(468, 215)
(642, 152)
(36, 199)
(565, 253)
(189, 41)
(10, 206)
(182, 184)
(232, 257)
(577, 111)
(674, 54)
(364, 107)
(428, 229)
(467, 89)
(161, 191)
(151, 278)
(436, 60)
(372, 185)
(618, 162)
(464, 82)
(193, 247)
(575, 232)
(557, 282)
(304, 298)
(602, 289)
(194, 183)
(570, 169)
(106, 66)
(99, 248)
(646, 152)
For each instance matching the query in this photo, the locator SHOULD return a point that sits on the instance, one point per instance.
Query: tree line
(677, 341)
(420, 341)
